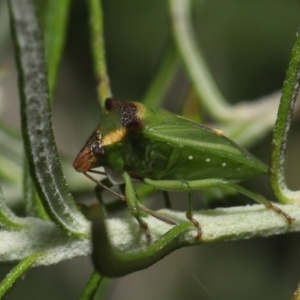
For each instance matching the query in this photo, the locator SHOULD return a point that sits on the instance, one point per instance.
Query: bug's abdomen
(194, 164)
(159, 160)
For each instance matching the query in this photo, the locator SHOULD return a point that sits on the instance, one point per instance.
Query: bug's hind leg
(189, 211)
(258, 198)
(189, 215)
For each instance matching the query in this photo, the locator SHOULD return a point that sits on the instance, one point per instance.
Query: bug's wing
(206, 142)
(164, 126)
(195, 136)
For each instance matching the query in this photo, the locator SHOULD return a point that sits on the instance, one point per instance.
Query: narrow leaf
(16, 274)
(33, 204)
(40, 148)
(282, 125)
(55, 22)
(193, 60)
(98, 50)
(8, 219)
(163, 78)
(120, 248)
(91, 286)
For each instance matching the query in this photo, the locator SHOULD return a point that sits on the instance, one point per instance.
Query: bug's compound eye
(97, 149)
(109, 104)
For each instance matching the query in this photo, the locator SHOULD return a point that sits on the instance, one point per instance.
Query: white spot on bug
(207, 160)
(223, 164)
(185, 186)
(190, 157)
(239, 169)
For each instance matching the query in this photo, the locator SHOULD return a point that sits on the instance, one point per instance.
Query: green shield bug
(167, 152)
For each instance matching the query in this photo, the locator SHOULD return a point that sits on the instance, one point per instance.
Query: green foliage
(53, 229)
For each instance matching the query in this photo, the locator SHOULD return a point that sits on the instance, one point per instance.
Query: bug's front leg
(133, 205)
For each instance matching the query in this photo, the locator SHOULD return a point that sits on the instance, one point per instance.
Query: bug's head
(103, 148)
(89, 154)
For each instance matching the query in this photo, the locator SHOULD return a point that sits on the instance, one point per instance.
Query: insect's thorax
(139, 157)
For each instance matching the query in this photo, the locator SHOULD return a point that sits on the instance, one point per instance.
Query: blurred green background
(247, 47)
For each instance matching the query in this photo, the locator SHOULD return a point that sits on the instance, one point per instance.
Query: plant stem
(282, 125)
(7, 218)
(117, 250)
(91, 286)
(98, 50)
(208, 92)
(163, 78)
(16, 273)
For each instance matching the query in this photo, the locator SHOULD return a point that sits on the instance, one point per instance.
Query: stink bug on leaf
(167, 152)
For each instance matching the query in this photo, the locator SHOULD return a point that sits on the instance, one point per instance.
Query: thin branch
(202, 80)
(125, 235)
(163, 78)
(8, 219)
(282, 125)
(98, 50)
(113, 252)
(91, 287)
(16, 274)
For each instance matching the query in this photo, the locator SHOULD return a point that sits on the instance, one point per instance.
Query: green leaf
(98, 50)
(11, 156)
(33, 204)
(282, 125)
(120, 247)
(16, 274)
(55, 21)
(91, 286)
(40, 148)
(194, 62)
(163, 78)
(8, 219)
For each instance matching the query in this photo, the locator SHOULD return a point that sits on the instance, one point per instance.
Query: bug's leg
(89, 210)
(167, 200)
(208, 183)
(113, 206)
(175, 185)
(258, 198)
(105, 184)
(189, 215)
(133, 205)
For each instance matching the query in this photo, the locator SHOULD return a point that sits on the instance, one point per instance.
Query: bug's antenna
(104, 186)
(157, 216)
(141, 207)
(97, 172)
